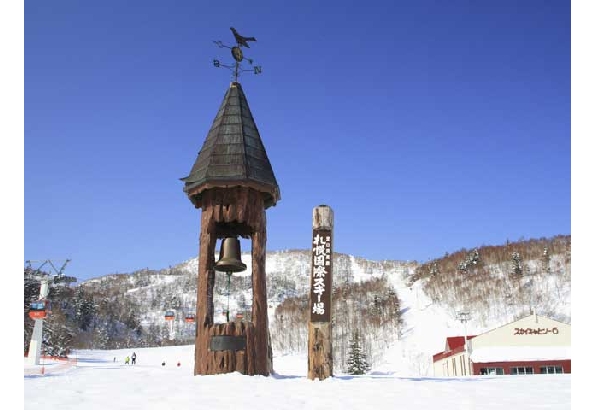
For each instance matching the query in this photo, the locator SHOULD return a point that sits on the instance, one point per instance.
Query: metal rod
(228, 311)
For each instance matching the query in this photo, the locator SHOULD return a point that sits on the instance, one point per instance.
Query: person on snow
(126, 360)
(134, 358)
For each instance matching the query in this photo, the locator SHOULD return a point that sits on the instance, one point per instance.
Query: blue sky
(427, 126)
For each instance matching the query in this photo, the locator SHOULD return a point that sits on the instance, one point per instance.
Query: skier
(134, 358)
(126, 360)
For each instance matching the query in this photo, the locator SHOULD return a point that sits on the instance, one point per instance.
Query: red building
(531, 345)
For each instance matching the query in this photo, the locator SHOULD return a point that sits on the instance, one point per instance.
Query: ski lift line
(40, 309)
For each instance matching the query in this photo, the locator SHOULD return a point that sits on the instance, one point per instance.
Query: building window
(551, 369)
(522, 370)
(491, 371)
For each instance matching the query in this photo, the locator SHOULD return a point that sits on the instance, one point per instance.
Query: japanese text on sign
(535, 331)
(320, 295)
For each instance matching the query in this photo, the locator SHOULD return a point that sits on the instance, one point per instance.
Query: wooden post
(320, 351)
(206, 281)
(262, 344)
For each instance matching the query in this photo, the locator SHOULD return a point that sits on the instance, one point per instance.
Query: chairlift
(170, 314)
(189, 318)
(39, 309)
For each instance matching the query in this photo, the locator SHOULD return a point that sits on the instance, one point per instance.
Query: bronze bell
(229, 256)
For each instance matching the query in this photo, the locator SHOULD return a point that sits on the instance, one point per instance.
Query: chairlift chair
(39, 309)
(170, 314)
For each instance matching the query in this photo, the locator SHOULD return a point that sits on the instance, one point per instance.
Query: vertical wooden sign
(320, 352)
(322, 265)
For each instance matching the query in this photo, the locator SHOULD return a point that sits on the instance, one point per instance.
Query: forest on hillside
(102, 317)
(533, 273)
(369, 312)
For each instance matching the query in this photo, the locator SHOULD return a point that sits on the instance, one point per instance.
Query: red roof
(456, 341)
(453, 346)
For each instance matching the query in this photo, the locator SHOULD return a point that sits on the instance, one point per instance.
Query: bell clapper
(229, 262)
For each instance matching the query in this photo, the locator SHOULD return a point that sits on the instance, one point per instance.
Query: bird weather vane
(238, 55)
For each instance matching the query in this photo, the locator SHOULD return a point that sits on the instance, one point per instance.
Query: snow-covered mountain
(429, 303)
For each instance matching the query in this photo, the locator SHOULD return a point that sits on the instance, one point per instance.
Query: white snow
(426, 327)
(96, 382)
(403, 379)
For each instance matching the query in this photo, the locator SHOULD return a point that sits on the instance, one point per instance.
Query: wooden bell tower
(232, 182)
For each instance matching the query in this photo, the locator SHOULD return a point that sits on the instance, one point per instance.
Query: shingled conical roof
(233, 153)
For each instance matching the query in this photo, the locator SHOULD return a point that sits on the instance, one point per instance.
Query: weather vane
(238, 55)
